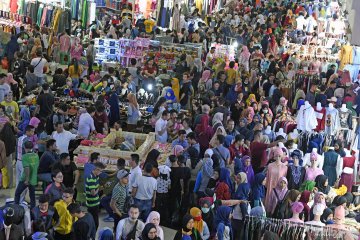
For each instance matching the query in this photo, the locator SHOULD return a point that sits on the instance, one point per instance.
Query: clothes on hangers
(345, 56)
(320, 117)
(306, 118)
(347, 176)
(333, 166)
(332, 121)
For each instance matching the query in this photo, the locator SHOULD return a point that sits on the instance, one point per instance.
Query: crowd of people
(219, 115)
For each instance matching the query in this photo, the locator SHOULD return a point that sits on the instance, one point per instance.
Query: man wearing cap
(119, 194)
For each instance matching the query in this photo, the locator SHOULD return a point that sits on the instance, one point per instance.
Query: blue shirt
(182, 143)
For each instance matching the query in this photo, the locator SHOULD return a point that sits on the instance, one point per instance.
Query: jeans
(40, 80)
(94, 211)
(19, 171)
(75, 83)
(145, 207)
(20, 188)
(105, 203)
(45, 177)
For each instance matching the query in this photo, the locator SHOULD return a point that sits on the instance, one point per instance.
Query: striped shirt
(92, 183)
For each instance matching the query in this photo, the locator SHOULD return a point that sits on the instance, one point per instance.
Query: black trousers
(58, 236)
(162, 205)
(94, 211)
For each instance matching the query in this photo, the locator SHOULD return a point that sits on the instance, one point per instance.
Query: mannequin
(281, 133)
(319, 161)
(332, 165)
(318, 210)
(345, 116)
(294, 135)
(296, 208)
(276, 170)
(270, 134)
(320, 113)
(312, 172)
(306, 118)
(339, 218)
(332, 120)
(347, 176)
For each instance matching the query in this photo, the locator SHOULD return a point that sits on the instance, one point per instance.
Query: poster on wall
(107, 50)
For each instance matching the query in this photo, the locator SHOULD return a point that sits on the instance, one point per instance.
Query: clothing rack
(256, 226)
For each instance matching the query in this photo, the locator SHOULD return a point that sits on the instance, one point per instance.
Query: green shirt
(86, 87)
(92, 183)
(30, 160)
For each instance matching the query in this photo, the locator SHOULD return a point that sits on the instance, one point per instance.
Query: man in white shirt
(301, 22)
(62, 138)
(86, 122)
(161, 127)
(210, 56)
(39, 62)
(135, 170)
(144, 192)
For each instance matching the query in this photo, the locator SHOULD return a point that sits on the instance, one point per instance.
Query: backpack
(279, 209)
(129, 200)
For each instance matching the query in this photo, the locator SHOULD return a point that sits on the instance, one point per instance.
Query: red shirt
(99, 121)
(237, 151)
(150, 69)
(258, 155)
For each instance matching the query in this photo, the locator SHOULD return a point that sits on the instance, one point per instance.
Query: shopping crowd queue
(268, 133)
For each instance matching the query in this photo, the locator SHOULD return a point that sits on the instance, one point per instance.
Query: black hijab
(325, 215)
(152, 158)
(146, 230)
(320, 184)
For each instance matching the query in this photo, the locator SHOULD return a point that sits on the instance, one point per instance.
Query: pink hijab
(281, 192)
(34, 121)
(245, 52)
(177, 149)
(205, 75)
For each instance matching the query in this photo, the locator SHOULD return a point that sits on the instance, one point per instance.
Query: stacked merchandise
(107, 50)
(132, 49)
(223, 51)
(167, 55)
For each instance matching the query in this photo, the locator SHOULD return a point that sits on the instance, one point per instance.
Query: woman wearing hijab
(277, 194)
(219, 131)
(207, 213)
(205, 80)
(304, 199)
(295, 173)
(258, 189)
(245, 58)
(223, 187)
(133, 110)
(251, 99)
(217, 120)
(327, 217)
(11, 48)
(204, 133)
(203, 177)
(153, 157)
(114, 114)
(319, 198)
(149, 232)
(37, 45)
(242, 191)
(188, 231)
(154, 218)
(24, 120)
(322, 184)
(199, 223)
(284, 211)
(247, 168)
(7, 135)
(223, 223)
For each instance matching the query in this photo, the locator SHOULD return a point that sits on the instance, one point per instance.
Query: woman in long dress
(275, 171)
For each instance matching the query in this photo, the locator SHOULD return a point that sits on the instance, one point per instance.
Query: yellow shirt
(149, 24)
(232, 76)
(66, 220)
(11, 108)
(72, 73)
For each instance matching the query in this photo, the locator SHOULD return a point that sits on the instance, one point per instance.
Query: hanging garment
(332, 122)
(43, 17)
(345, 56)
(356, 55)
(85, 13)
(13, 6)
(332, 166)
(347, 176)
(39, 14)
(306, 118)
(353, 71)
(320, 117)
(345, 118)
